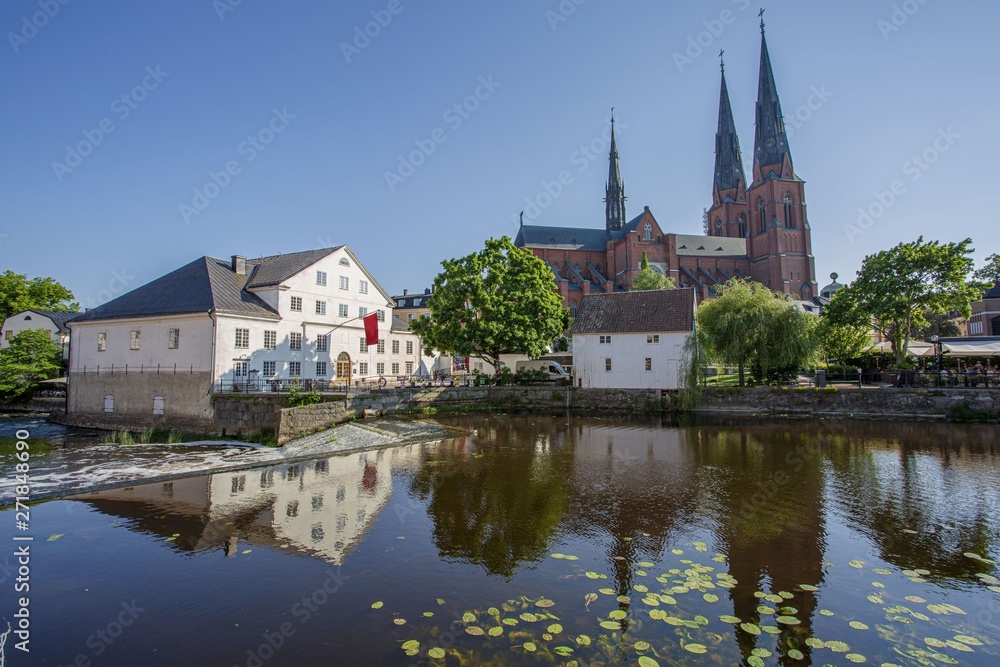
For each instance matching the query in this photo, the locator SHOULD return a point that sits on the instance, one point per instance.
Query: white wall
(17, 323)
(628, 353)
(194, 349)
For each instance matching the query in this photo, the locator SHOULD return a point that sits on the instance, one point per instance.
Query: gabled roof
(58, 317)
(203, 285)
(276, 269)
(710, 246)
(398, 325)
(636, 312)
(629, 227)
(564, 238)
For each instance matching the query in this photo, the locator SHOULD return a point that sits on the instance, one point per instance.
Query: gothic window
(789, 221)
(763, 215)
(647, 232)
(743, 226)
(718, 227)
(572, 309)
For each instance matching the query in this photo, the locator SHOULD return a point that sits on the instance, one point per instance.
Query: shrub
(963, 412)
(296, 397)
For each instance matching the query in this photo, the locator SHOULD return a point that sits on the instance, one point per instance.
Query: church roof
(728, 158)
(771, 140)
(563, 238)
(203, 285)
(636, 312)
(710, 246)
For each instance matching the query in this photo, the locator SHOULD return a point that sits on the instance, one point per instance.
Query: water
(838, 523)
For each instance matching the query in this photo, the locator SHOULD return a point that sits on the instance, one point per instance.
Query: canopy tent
(60, 381)
(986, 348)
(915, 349)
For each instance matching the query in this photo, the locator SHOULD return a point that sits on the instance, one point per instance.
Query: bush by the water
(963, 412)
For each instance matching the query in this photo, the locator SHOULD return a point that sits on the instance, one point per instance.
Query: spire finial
(761, 15)
(522, 218)
(722, 60)
(612, 117)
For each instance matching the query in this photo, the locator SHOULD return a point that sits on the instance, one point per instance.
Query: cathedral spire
(771, 140)
(728, 158)
(614, 198)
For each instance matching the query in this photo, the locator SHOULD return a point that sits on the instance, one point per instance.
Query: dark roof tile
(636, 312)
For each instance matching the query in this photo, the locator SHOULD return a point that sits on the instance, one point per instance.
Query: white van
(555, 370)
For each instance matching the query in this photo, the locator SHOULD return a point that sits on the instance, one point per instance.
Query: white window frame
(395, 346)
(607, 364)
(380, 347)
(173, 339)
(295, 304)
(242, 341)
(321, 307)
(273, 369)
(345, 282)
(294, 341)
(135, 337)
(321, 278)
(362, 287)
(323, 343)
(342, 310)
(652, 339)
(102, 341)
(270, 340)
(295, 368)
(320, 369)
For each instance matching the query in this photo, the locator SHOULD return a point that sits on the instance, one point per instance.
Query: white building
(52, 321)
(632, 340)
(214, 325)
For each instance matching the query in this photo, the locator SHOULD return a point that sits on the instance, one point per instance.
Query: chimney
(239, 265)
(405, 292)
(427, 290)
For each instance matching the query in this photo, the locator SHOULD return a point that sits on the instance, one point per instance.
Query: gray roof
(636, 312)
(398, 325)
(58, 317)
(710, 246)
(564, 238)
(276, 269)
(203, 285)
(993, 293)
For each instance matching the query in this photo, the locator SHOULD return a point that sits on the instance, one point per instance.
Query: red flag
(371, 329)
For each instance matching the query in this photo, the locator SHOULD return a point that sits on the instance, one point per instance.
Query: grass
(262, 436)
(723, 381)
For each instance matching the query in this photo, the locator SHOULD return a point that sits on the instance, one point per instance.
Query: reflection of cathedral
(758, 230)
(321, 507)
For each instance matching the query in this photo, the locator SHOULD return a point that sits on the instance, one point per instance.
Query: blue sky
(99, 190)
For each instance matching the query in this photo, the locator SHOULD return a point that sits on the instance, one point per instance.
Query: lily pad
(530, 647)
(495, 631)
(411, 645)
(617, 615)
(377, 605)
(641, 646)
(750, 628)
(856, 658)
(697, 649)
(399, 621)
(788, 620)
(611, 625)
(555, 629)
(711, 597)
(583, 640)
(858, 625)
(53, 538)
(437, 653)
(646, 661)
(726, 618)
(475, 631)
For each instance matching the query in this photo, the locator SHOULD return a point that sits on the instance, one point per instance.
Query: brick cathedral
(757, 231)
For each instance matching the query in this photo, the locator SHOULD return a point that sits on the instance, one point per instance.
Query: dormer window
(647, 232)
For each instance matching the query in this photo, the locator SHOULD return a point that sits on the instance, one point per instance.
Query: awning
(54, 381)
(915, 349)
(973, 349)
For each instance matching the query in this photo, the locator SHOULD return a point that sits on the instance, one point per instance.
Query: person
(977, 372)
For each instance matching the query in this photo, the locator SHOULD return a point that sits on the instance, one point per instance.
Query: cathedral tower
(614, 193)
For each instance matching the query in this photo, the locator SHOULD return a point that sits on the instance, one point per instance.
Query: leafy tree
(990, 274)
(938, 324)
(500, 299)
(750, 327)
(896, 288)
(842, 341)
(31, 357)
(649, 279)
(18, 294)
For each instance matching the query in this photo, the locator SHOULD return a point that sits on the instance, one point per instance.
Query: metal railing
(125, 369)
(324, 386)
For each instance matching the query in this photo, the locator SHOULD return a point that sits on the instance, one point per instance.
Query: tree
(500, 299)
(895, 289)
(31, 357)
(938, 324)
(649, 279)
(18, 294)
(990, 274)
(842, 341)
(750, 327)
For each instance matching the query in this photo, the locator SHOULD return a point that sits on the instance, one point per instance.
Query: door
(344, 367)
(240, 371)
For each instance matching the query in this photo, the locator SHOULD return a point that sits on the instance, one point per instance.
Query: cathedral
(757, 231)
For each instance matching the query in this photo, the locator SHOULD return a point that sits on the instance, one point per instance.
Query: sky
(138, 136)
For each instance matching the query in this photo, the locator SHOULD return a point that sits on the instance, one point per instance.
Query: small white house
(632, 340)
(52, 321)
(160, 352)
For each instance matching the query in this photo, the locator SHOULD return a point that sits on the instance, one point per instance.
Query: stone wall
(187, 400)
(239, 414)
(848, 402)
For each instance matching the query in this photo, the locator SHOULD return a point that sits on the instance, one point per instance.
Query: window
(343, 262)
(323, 343)
(158, 405)
(109, 403)
(409, 347)
(572, 310)
(607, 364)
(241, 368)
(743, 226)
(649, 364)
(395, 347)
(321, 278)
(295, 368)
(362, 311)
(297, 304)
(409, 317)
(321, 307)
(320, 369)
(380, 348)
(763, 215)
(322, 467)
(654, 339)
(243, 338)
(363, 368)
(380, 368)
(409, 368)
(381, 316)
(9, 334)
(345, 282)
(270, 340)
(173, 339)
(789, 220)
(364, 345)
(342, 310)
(363, 287)
(718, 227)
(269, 368)
(134, 340)
(239, 484)
(647, 232)
(395, 369)
(168, 490)
(102, 341)
(317, 503)
(605, 340)
(292, 509)
(295, 341)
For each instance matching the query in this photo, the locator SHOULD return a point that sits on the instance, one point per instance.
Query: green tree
(649, 279)
(18, 294)
(990, 274)
(842, 341)
(500, 299)
(896, 288)
(31, 357)
(938, 324)
(750, 327)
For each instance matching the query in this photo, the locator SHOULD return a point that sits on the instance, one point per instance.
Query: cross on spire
(761, 15)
